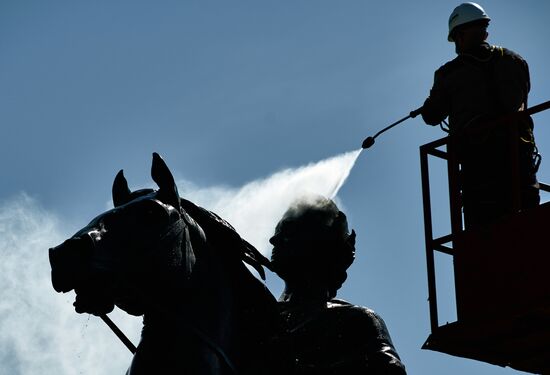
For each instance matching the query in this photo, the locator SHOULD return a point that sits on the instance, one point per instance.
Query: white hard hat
(464, 13)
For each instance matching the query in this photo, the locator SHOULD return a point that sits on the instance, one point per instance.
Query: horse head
(128, 254)
(204, 312)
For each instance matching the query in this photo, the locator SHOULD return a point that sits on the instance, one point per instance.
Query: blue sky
(231, 93)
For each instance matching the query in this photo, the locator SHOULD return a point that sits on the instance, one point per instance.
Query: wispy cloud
(41, 333)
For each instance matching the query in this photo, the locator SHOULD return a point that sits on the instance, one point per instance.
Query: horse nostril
(69, 262)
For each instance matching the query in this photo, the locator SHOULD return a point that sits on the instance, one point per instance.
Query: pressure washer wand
(369, 141)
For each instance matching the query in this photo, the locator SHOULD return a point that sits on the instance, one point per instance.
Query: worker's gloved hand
(416, 112)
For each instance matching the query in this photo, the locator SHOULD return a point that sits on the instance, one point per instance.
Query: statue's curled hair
(319, 245)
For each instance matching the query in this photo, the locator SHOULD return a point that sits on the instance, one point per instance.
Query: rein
(125, 340)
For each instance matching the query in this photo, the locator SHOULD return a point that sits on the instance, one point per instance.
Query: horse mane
(219, 229)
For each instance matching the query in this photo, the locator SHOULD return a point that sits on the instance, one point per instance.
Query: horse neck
(203, 298)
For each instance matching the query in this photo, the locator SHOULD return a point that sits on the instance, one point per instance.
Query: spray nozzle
(368, 142)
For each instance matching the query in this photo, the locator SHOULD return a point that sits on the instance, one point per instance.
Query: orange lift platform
(501, 275)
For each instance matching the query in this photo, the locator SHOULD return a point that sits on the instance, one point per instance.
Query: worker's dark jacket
(486, 81)
(339, 339)
(474, 89)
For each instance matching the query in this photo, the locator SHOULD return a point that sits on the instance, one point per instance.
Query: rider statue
(312, 249)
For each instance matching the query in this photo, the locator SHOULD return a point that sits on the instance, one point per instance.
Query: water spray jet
(347, 169)
(369, 141)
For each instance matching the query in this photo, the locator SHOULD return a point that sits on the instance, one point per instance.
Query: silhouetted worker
(312, 250)
(481, 84)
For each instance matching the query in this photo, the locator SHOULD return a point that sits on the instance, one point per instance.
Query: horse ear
(168, 191)
(121, 192)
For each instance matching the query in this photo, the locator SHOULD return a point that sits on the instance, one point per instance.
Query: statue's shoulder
(358, 315)
(336, 303)
(351, 309)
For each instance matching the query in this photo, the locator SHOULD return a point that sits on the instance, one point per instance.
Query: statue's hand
(93, 299)
(92, 305)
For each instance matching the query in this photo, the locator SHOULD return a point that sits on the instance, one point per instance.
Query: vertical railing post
(455, 200)
(428, 235)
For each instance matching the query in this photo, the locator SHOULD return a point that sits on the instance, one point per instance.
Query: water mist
(41, 333)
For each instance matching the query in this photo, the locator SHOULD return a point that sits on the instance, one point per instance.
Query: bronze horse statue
(181, 267)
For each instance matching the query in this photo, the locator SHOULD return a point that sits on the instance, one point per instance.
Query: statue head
(312, 245)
